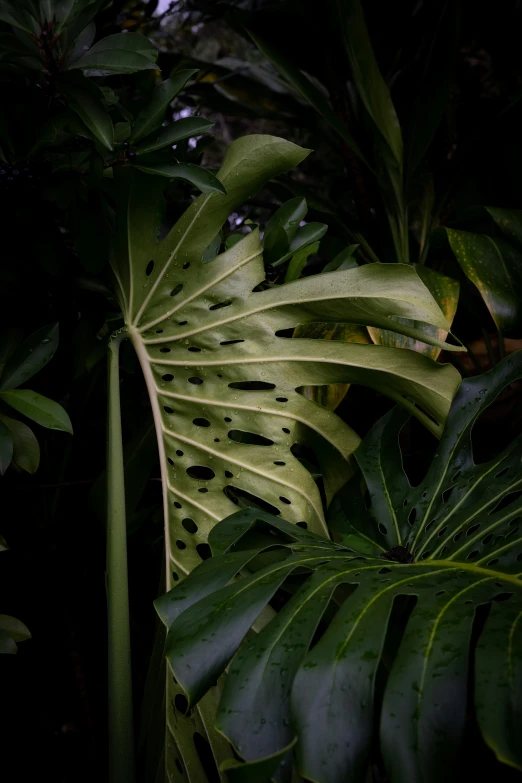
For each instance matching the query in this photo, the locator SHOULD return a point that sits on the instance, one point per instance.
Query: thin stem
(489, 347)
(121, 740)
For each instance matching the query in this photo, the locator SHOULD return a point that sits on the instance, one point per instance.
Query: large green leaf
(201, 178)
(438, 552)
(165, 137)
(30, 357)
(120, 53)
(495, 267)
(87, 104)
(445, 291)
(222, 382)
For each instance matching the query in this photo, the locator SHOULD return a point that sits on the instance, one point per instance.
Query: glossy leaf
(288, 217)
(304, 236)
(447, 557)
(495, 267)
(120, 53)
(14, 628)
(331, 396)
(223, 384)
(445, 291)
(171, 134)
(151, 116)
(6, 448)
(30, 357)
(298, 261)
(90, 109)
(38, 408)
(26, 451)
(306, 88)
(509, 221)
(202, 179)
(367, 77)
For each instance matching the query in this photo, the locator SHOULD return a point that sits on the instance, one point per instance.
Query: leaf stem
(121, 739)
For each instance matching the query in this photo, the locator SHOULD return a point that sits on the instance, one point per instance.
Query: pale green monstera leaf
(222, 380)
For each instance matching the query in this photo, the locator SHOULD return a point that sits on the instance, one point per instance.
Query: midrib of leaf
(455, 508)
(168, 262)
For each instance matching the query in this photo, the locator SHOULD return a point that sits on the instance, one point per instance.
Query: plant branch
(121, 740)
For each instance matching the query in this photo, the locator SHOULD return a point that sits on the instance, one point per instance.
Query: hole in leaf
(204, 551)
(502, 472)
(176, 504)
(502, 596)
(167, 377)
(425, 555)
(186, 265)
(472, 529)
(231, 342)
(170, 461)
(228, 473)
(175, 576)
(405, 502)
(285, 429)
(179, 766)
(159, 331)
(281, 399)
(284, 500)
(442, 531)
(493, 562)
(199, 422)
(245, 499)
(182, 323)
(384, 570)
(412, 516)
(150, 267)
(177, 289)
(279, 462)
(447, 494)
(194, 349)
(302, 524)
(179, 452)
(205, 755)
(430, 524)
(216, 440)
(200, 472)
(167, 409)
(251, 385)
(202, 489)
(252, 438)
(472, 554)
(227, 418)
(165, 350)
(189, 525)
(440, 592)
(195, 380)
(181, 544)
(459, 535)
(181, 703)
(519, 557)
(506, 501)
(382, 529)
(219, 305)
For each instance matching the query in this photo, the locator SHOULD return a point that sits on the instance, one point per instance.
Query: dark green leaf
(6, 448)
(26, 451)
(495, 267)
(368, 80)
(343, 260)
(201, 178)
(91, 110)
(120, 53)
(509, 221)
(298, 261)
(40, 409)
(151, 116)
(179, 130)
(82, 43)
(30, 357)
(288, 217)
(304, 236)
(306, 88)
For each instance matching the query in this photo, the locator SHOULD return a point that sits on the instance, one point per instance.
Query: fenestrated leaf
(450, 545)
(201, 178)
(495, 267)
(30, 357)
(90, 109)
(151, 116)
(331, 396)
(367, 77)
(40, 409)
(6, 448)
(223, 384)
(179, 130)
(445, 291)
(26, 451)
